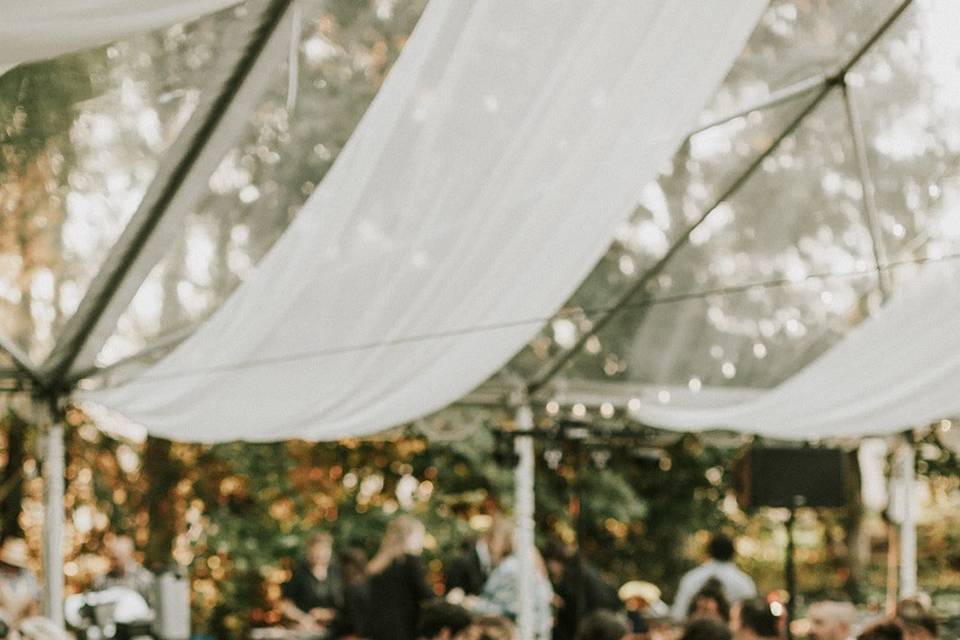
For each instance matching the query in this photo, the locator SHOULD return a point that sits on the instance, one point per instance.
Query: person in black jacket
(469, 571)
(442, 620)
(396, 584)
(315, 591)
(579, 587)
(352, 615)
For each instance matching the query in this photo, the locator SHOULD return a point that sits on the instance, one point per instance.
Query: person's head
(885, 630)
(706, 629)
(556, 556)
(120, 552)
(404, 534)
(709, 602)
(720, 548)
(830, 620)
(442, 620)
(500, 539)
(914, 616)
(353, 565)
(491, 628)
(319, 549)
(14, 555)
(638, 595)
(602, 625)
(755, 618)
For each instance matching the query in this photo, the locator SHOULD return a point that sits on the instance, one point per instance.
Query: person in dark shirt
(356, 597)
(442, 620)
(579, 587)
(709, 602)
(469, 571)
(602, 625)
(707, 629)
(396, 583)
(315, 590)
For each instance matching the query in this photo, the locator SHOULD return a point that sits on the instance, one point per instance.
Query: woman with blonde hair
(396, 583)
(499, 596)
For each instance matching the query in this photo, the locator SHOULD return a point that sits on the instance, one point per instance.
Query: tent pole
(524, 528)
(53, 518)
(907, 458)
(871, 216)
(776, 98)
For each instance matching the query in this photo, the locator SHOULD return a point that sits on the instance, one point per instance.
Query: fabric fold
(487, 178)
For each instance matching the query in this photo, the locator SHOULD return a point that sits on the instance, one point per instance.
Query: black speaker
(781, 477)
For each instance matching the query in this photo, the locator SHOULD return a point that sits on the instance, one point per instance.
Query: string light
(606, 410)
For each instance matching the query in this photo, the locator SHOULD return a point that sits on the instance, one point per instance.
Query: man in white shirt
(736, 584)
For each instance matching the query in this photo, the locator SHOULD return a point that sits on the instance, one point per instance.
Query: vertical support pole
(906, 458)
(893, 564)
(524, 532)
(53, 520)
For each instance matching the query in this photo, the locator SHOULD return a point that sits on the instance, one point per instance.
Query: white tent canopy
(481, 186)
(42, 29)
(381, 304)
(898, 370)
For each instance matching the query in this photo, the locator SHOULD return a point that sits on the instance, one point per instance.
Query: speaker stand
(790, 568)
(791, 573)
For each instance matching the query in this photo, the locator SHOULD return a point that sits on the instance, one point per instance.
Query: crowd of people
(389, 598)
(20, 593)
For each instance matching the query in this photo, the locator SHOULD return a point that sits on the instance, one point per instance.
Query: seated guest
(499, 595)
(315, 590)
(754, 619)
(706, 629)
(709, 602)
(125, 571)
(19, 590)
(830, 620)
(441, 620)
(602, 625)
(492, 628)
(885, 630)
(735, 584)
(914, 616)
(469, 570)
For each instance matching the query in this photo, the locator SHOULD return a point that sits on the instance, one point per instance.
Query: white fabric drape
(900, 369)
(486, 179)
(39, 29)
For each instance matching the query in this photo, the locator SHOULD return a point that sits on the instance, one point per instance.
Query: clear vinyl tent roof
(781, 188)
